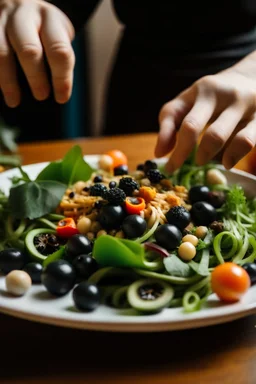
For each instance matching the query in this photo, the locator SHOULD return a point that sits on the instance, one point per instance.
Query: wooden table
(37, 353)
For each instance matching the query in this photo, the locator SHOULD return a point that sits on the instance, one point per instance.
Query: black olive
(58, 277)
(34, 270)
(168, 236)
(149, 164)
(178, 216)
(121, 170)
(98, 179)
(198, 193)
(134, 226)
(85, 266)
(11, 259)
(111, 216)
(77, 245)
(250, 268)
(203, 213)
(86, 296)
(216, 198)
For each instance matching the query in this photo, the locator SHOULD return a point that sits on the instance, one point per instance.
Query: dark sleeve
(78, 11)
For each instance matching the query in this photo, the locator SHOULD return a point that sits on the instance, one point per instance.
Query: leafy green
(235, 200)
(202, 268)
(110, 251)
(8, 137)
(72, 168)
(176, 267)
(8, 143)
(35, 199)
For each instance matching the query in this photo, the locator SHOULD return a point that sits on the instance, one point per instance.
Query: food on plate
(17, 282)
(139, 239)
(230, 281)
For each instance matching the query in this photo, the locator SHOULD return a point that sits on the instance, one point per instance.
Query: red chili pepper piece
(66, 227)
(134, 205)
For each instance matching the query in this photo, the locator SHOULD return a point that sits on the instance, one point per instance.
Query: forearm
(78, 11)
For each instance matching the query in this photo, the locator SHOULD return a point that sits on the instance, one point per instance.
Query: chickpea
(90, 235)
(84, 225)
(201, 232)
(191, 239)
(105, 163)
(102, 232)
(18, 282)
(120, 234)
(215, 176)
(95, 227)
(187, 251)
(145, 182)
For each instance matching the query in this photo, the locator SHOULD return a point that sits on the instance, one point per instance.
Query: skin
(225, 103)
(31, 29)
(218, 111)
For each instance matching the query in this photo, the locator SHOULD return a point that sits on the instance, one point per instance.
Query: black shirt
(166, 46)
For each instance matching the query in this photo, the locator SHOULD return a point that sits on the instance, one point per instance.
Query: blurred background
(82, 115)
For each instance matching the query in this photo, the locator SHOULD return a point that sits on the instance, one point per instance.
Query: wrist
(246, 66)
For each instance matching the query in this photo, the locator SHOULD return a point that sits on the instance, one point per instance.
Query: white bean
(215, 176)
(105, 162)
(18, 282)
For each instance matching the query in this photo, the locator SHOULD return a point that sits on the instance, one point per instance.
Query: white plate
(38, 305)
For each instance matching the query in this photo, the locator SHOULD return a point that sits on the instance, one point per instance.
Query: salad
(8, 147)
(128, 238)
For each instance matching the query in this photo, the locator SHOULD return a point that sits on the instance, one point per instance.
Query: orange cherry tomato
(229, 282)
(118, 157)
(133, 205)
(66, 227)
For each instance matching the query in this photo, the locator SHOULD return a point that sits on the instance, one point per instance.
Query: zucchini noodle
(187, 281)
(191, 301)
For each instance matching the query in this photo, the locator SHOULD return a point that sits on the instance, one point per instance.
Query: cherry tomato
(66, 227)
(133, 205)
(230, 282)
(118, 157)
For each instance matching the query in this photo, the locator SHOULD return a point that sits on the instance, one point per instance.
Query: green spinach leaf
(35, 199)
(72, 168)
(202, 268)
(176, 267)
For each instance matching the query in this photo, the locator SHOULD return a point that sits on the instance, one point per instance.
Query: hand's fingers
(166, 138)
(8, 78)
(190, 130)
(57, 43)
(240, 145)
(217, 134)
(26, 42)
(170, 118)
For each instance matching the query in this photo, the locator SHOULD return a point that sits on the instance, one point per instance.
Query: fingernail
(230, 162)
(12, 100)
(42, 93)
(61, 98)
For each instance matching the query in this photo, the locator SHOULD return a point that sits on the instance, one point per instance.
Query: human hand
(32, 30)
(225, 103)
